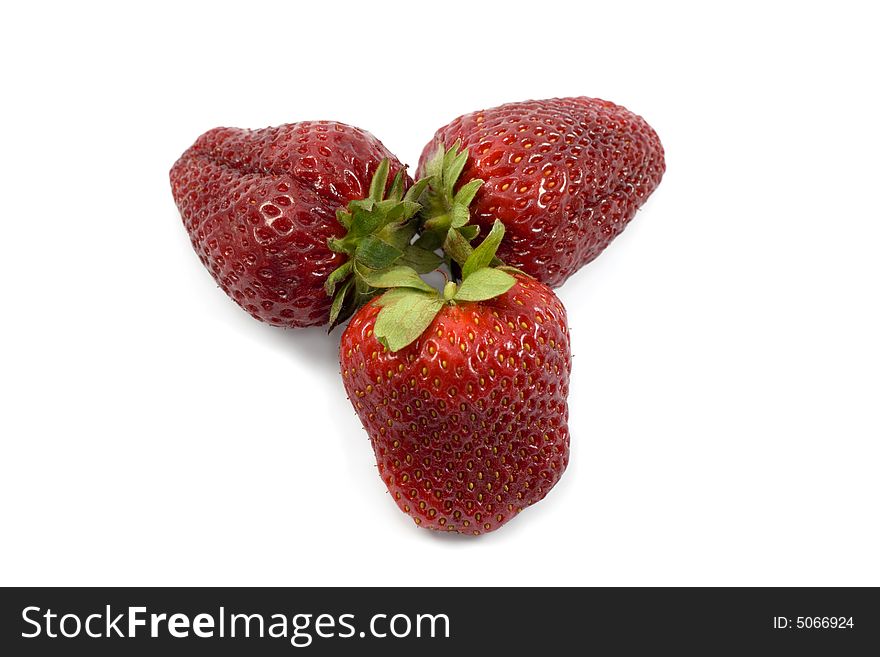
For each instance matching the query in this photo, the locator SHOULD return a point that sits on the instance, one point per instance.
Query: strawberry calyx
(410, 304)
(444, 219)
(379, 232)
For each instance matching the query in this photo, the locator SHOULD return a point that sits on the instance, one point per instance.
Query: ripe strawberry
(263, 212)
(463, 395)
(565, 176)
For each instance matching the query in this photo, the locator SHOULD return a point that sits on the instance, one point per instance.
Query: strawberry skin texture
(259, 207)
(469, 423)
(564, 175)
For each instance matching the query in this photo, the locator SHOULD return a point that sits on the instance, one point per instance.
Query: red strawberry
(565, 176)
(463, 395)
(261, 206)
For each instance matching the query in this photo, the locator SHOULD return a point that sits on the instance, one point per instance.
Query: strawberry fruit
(564, 175)
(266, 213)
(463, 394)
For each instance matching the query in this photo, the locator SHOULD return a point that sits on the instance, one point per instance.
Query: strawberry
(564, 175)
(463, 394)
(266, 213)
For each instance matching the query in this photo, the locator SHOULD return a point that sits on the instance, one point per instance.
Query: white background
(726, 384)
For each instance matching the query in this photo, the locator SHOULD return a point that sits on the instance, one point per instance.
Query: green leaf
(484, 284)
(400, 235)
(391, 210)
(434, 165)
(460, 215)
(365, 204)
(466, 194)
(395, 277)
(396, 191)
(469, 232)
(409, 208)
(482, 255)
(393, 294)
(405, 316)
(450, 154)
(376, 253)
(344, 218)
(457, 247)
(453, 170)
(421, 260)
(338, 302)
(365, 221)
(380, 178)
(337, 276)
(442, 207)
(380, 229)
(337, 245)
(414, 193)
